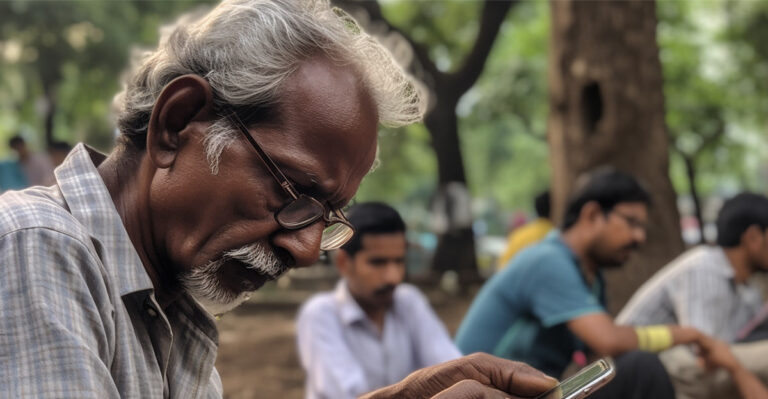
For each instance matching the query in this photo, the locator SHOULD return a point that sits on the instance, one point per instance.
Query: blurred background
(524, 97)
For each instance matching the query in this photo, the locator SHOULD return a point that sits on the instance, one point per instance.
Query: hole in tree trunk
(591, 106)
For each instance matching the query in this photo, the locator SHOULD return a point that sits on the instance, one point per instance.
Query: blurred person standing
(373, 329)
(549, 302)
(530, 233)
(708, 288)
(37, 167)
(58, 151)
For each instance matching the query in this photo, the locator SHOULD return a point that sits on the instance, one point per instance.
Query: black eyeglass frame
(329, 215)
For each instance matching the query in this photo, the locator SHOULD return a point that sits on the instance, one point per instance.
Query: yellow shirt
(522, 237)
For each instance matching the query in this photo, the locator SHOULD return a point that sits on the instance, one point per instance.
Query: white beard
(204, 285)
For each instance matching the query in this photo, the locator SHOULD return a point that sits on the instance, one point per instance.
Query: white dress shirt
(343, 353)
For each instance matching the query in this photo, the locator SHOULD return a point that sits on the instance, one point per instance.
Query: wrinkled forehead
(329, 123)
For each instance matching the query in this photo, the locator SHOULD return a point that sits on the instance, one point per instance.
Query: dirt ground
(257, 354)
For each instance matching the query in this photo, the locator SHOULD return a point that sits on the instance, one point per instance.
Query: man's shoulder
(322, 303)
(697, 260)
(408, 291)
(38, 208)
(408, 296)
(546, 256)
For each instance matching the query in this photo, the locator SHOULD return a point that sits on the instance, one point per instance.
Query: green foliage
(446, 28)
(503, 124)
(75, 50)
(502, 120)
(712, 80)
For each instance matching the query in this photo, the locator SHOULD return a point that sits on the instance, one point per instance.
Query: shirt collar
(91, 204)
(349, 310)
(721, 262)
(597, 287)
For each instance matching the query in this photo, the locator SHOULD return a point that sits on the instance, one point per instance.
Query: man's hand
(716, 354)
(471, 377)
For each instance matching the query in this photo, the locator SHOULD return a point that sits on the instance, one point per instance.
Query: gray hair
(246, 49)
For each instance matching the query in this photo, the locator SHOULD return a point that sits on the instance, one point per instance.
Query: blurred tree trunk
(607, 108)
(49, 114)
(456, 245)
(690, 171)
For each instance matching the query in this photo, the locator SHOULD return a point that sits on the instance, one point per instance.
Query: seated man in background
(373, 330)
(531, 233)
(708, 288)
(37, 167)
(548, 303)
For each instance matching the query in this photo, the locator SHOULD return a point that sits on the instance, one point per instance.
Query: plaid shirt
(78, 315)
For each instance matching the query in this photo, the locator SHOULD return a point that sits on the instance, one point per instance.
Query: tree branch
(374, 12)
(493, 15)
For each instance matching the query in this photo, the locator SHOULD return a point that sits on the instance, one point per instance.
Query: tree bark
(607, 108)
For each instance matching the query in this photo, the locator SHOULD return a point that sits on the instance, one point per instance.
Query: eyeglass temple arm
(273, 169)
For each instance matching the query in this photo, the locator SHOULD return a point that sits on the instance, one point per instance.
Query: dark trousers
(639, 375)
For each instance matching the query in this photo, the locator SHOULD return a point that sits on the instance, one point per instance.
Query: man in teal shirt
(521, 313)
(548, 303)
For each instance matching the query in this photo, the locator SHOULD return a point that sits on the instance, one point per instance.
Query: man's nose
(394, 273)
(302, 244)
(640, 235)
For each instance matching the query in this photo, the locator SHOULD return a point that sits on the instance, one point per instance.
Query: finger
(512, 377)
(470, 389)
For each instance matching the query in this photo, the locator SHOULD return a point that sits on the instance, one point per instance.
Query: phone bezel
(607, 374)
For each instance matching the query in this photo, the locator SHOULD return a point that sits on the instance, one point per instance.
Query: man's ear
(592, 213)
(186, 99)
(752, 238)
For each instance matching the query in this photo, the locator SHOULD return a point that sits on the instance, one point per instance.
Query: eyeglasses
(631, 221)
(302, 210)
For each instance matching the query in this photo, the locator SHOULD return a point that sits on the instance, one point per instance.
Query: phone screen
(583, 383)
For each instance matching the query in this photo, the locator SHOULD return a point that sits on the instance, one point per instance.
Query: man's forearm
(748, 384)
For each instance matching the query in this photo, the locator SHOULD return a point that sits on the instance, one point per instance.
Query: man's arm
(475, 376)
(332, 370)
(431, 340)
(716, 353)
(54, 334)
(606, 338)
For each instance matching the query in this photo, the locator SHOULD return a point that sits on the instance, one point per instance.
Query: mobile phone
(584, 383)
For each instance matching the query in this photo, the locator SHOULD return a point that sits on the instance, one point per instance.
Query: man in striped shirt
(708, 288)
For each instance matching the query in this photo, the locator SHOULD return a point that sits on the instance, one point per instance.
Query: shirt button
(152, 312)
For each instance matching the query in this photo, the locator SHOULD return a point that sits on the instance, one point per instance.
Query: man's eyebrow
(310, 182)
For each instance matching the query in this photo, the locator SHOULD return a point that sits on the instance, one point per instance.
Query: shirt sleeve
(54, 339)
(332, 371)
(431, 340)
(556, 292)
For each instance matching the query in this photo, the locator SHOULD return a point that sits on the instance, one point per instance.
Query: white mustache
(257, 258)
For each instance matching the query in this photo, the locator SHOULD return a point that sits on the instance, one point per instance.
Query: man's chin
(217, 308)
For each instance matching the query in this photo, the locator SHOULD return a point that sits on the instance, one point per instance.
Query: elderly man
(242, 136)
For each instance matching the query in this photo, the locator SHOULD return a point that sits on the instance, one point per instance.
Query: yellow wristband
(653, 338)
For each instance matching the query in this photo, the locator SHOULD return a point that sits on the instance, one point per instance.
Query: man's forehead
(326, 138)
(635, 208)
